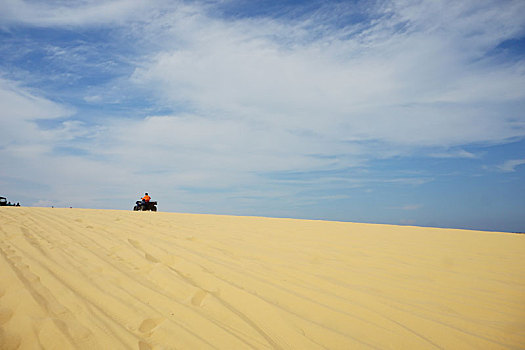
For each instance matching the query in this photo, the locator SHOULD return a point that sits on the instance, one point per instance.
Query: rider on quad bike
(145, 204)
(145, 199)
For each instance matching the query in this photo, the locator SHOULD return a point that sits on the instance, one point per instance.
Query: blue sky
(401, 112)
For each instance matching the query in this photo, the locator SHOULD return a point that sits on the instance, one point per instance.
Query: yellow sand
(107, 279)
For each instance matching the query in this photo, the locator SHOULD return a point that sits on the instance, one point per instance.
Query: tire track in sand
(88, 242)
(77, 335)
(8, 340)
(202, 293)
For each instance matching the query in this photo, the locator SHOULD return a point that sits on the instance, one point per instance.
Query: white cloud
(93, 98)
(511, 165)
(28, 152)
(225, 149)
(427, 85)
(20, 108)
(20, 103)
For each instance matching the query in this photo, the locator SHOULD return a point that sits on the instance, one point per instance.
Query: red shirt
(146, 198)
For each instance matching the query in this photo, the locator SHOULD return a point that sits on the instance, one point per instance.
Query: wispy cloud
(460, 153)
(20, 109)
(371, 85)
(57, 13)
(511, 165)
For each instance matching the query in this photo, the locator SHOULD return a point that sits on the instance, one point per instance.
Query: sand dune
(106, 279)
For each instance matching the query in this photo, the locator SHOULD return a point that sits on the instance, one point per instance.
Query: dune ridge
(109, 279)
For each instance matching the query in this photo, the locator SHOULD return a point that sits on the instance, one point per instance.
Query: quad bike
(143, 206)
(5, 203)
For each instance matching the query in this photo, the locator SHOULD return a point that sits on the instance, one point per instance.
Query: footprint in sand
(9, 341)
(151, 258)
(138, 246)
(146, 327)
(149, 323)
(134, 243)
(144, 346)
(198, 297)
(5, 315)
